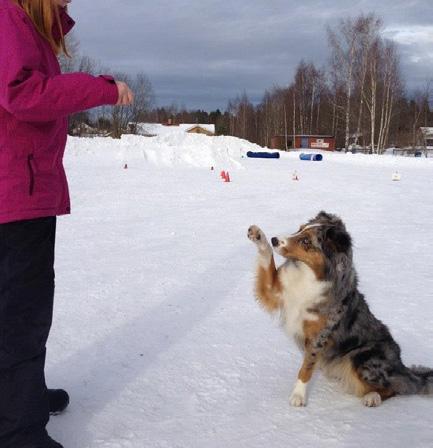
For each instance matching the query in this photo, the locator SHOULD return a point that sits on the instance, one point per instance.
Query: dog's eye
(305, 242)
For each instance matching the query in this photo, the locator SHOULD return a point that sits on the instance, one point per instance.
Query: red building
(322, 142)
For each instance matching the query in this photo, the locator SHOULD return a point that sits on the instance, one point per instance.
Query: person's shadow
(97, 374)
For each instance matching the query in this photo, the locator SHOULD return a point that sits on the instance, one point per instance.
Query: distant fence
(417, 152)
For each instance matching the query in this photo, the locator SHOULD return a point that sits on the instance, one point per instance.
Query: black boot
(42, 440)
(48, 442)
(58, 399)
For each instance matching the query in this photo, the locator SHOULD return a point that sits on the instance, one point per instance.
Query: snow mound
(188, 150)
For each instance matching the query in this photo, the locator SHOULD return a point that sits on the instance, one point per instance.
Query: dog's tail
(414, 380)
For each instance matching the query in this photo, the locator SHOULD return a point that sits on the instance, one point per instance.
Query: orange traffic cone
(227, 179)
(223, 175)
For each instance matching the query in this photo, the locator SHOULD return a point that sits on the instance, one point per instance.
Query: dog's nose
(274, 241)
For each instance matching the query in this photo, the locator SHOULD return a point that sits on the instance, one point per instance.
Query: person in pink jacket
(35, 102)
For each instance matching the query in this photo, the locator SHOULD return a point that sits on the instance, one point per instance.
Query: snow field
(156, 334)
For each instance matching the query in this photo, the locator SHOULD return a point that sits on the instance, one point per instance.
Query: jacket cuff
(111, 92)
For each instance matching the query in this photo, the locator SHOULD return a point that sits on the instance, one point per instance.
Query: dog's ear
(323, 216)
(336, 239)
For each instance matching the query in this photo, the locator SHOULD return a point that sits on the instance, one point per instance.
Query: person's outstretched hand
(126, 96)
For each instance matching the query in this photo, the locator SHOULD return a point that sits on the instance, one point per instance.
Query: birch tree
(369, 28)
(343, 43)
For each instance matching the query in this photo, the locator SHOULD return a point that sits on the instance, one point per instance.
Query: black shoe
(43, 441)
(50, 443)
(58, 399)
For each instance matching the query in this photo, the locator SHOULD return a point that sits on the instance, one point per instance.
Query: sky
(199, 54)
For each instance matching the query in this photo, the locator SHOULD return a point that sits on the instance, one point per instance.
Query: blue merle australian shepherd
(316, 294)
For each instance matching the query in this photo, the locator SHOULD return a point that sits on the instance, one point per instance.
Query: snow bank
(189, 150)
(194, 150)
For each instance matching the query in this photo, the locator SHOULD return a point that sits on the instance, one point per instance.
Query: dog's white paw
(298, 400)
(372, 400)
(299, 394)
(256, 235)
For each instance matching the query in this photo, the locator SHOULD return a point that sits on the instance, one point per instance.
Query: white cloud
(411, 35)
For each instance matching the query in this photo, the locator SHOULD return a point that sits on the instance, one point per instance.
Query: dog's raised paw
(255, 234)
(372, 400)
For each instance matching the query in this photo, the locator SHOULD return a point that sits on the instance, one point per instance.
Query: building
(322, 142)
(157, 129)
(427, 137)
(206, 129)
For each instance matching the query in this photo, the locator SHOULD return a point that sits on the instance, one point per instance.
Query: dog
(315, 292)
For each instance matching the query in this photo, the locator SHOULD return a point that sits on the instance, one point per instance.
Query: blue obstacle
(263, 155)
(308, 156)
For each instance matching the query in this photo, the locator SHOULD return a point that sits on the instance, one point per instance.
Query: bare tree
(419, 102)
(361, 94)
(343, 43)
(390, 87)
(144, 99)
(370, 91)
(369, 28)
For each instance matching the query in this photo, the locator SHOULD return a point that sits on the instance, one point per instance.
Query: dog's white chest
(301, 291)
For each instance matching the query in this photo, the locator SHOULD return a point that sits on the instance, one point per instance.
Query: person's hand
(126, 97)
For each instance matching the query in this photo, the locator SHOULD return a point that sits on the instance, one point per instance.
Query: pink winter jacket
(35, 101)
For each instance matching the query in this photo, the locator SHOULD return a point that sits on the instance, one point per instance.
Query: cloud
(416, 49)
(201, 53)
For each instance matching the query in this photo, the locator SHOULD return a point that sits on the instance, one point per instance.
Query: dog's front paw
(372, 400)
(256, 235)
(299, 395)
(298, 400)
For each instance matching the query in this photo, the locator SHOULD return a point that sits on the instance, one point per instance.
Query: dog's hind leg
(267, 282)
(376, 374)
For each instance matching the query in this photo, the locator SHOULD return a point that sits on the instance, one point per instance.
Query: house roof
(206, 127)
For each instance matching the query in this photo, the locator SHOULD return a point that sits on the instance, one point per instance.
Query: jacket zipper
(31, 173)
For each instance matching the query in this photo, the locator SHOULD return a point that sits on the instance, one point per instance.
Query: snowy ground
(157, 336)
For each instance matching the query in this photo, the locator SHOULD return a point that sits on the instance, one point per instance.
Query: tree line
(112, 121)
(360, 97)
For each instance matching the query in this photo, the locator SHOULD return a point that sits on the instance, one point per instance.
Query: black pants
(26, 308)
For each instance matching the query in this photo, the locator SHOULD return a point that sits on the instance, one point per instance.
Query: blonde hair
(44, 15)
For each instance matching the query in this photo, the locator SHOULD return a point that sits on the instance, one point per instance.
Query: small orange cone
(227, 179)
(223, 175)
